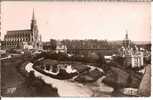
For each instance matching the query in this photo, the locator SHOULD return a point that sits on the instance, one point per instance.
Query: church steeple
(33, 15)
(34, 29)
(33, 22)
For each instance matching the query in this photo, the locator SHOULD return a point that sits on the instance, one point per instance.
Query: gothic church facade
(17, 38)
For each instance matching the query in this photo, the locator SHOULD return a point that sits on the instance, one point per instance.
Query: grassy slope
(11, 77)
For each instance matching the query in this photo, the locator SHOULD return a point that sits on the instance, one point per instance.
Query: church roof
(13, 32)
(25, 31)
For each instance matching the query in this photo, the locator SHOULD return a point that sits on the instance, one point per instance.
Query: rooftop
(12, 32)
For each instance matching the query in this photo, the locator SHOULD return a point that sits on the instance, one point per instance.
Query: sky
(80, 20)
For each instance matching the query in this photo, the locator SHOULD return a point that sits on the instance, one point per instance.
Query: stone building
(60, 48)
(127, 41)
(134, 56)
(17, 38)
(137, 60)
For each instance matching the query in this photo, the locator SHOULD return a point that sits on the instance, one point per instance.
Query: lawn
(23, 86)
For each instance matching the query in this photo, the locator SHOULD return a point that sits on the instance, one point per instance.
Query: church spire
(33, 21)
(33, 15)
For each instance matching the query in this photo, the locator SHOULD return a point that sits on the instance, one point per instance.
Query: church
(16, 39)
(132, 54)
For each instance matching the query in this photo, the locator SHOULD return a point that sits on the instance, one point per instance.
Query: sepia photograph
(75, 48)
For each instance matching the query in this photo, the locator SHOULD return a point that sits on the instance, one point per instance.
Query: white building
(133, 55)
(137, 60)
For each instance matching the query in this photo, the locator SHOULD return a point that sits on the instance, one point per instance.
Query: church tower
(34, 29)
(126, 41)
